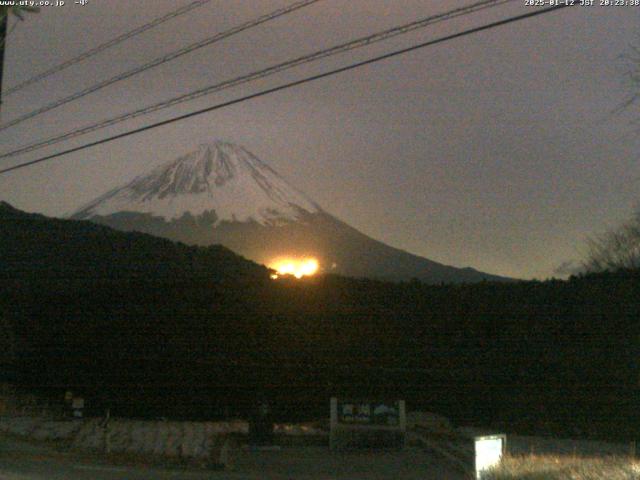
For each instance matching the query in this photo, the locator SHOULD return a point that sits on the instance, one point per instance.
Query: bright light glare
(298, 268)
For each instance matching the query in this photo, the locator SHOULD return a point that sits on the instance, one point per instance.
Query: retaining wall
(161, 438)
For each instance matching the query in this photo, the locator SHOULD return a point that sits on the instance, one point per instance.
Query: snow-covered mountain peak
(218, 177)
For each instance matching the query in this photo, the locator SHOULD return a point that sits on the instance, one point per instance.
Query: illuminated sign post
(489, 451)
(367, 424)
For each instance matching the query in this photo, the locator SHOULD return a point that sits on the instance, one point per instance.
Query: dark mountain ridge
(34, 245)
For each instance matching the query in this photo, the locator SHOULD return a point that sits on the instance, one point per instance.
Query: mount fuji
(223, 194)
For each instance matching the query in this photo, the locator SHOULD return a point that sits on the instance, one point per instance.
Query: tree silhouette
(16, 11)
(618, 248)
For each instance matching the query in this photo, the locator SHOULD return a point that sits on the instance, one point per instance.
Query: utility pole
(17, 12)
(3, 40)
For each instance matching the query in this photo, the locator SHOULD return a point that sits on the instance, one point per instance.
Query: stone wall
(158, 438)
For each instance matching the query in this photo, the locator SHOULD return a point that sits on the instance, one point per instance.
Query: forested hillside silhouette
(149, 328)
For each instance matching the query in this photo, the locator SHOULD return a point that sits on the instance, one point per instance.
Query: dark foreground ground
(20, 460)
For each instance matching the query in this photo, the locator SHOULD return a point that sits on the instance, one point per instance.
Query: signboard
(369, 413)
(488, 452)
(367, 424)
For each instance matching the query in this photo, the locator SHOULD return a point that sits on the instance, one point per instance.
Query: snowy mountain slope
(223, 194)
(220, 178)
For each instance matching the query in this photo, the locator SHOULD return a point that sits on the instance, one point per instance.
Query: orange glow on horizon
(299, 268)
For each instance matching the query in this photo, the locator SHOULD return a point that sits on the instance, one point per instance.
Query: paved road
(25, 461)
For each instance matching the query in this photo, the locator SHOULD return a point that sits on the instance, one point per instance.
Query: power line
(159, 61)
(315, 56)
(100, 48)
(293, 84)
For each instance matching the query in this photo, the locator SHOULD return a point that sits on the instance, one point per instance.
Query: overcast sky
(497, 150)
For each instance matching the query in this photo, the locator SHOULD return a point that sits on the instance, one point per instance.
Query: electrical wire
(104, 46)
(293, 84)
(159, 61)
(313, 57)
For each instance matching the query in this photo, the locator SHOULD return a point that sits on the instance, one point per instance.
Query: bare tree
(615, 249)
(631, 76)
(619, 248)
